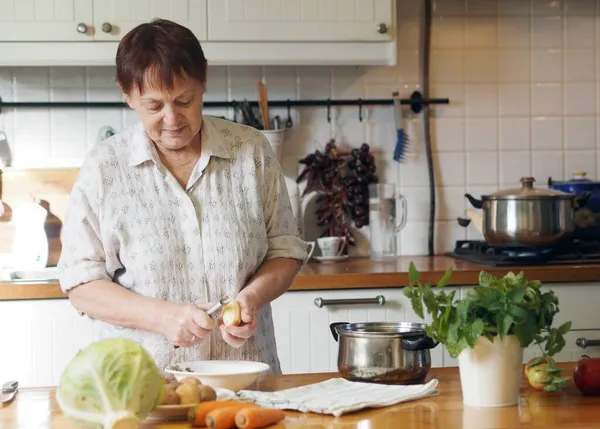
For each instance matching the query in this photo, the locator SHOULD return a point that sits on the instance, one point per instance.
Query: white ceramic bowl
(225, 374)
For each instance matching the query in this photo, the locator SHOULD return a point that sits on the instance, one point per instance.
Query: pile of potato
(187, 391)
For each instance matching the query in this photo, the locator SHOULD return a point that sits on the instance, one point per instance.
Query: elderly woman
(177, 211)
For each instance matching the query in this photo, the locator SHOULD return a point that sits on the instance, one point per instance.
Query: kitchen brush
(402, 140)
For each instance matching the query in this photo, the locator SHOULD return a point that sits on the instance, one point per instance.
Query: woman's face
(172, 117)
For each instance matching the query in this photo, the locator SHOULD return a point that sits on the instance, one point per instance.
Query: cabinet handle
(379, 299)
(106, 27)
(583, 343)
(382, 28)
(82, 28)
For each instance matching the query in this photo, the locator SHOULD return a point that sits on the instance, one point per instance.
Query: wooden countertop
(37, 408)
(356, 273)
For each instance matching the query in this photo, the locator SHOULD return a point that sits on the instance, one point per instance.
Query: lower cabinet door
(39, 338)
(302, 324)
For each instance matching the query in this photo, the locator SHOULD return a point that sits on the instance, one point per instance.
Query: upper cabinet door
(45, 20)
(114, 18)
(301, 20)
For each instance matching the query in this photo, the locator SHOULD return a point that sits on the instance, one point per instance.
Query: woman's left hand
(236, 336)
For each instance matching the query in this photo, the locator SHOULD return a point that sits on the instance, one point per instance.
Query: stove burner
(574, 252)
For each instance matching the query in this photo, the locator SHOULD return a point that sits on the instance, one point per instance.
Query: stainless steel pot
(527, 216)
(394, 353)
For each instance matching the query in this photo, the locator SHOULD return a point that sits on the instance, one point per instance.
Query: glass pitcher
(383, 224)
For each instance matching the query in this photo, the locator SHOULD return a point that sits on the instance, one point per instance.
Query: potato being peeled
(232, 314)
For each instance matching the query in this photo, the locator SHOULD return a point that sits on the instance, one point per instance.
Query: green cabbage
(111, 384)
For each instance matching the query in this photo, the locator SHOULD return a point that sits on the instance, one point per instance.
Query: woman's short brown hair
(155, 53)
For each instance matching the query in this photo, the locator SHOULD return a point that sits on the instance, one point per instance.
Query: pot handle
(418, 343)
(474, 201)
(332, 328)
(582, 200)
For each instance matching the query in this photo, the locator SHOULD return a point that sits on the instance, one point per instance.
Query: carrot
(197, 415)
(222, 418)
(255, 418)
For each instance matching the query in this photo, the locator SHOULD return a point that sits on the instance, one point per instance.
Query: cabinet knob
(106, 27)
(382, 28)
(82, 28)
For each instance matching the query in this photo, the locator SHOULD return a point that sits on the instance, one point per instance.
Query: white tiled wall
(522, 77)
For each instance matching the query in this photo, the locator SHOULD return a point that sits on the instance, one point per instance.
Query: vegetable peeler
(216, 308)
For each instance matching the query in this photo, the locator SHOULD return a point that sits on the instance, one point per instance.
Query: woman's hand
(188, 324)
(236, 336)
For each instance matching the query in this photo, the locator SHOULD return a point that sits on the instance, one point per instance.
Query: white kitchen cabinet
(305, 343)
(304, 340)
(232, 32)
(45, 21)
(39, 338)
(301, 20)
(114, 18)
(571, 352)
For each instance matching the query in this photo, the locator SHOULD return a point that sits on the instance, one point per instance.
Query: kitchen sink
(44, 274)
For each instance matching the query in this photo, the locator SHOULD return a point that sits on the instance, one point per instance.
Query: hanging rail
(416, 101)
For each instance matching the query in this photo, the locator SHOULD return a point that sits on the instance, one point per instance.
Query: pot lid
(381, 329)
(578, 178)
(528, 191)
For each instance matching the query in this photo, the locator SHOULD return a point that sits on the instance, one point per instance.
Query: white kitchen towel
(339, 396)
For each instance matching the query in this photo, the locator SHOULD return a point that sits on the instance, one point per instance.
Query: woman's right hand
(187, 324)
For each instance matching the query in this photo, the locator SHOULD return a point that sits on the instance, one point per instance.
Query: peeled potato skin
(232, 314)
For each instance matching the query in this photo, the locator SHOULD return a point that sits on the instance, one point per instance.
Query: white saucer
(330, 259)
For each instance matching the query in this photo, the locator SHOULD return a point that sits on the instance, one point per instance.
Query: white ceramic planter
(490, 373)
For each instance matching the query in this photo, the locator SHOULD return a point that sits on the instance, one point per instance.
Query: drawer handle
(379, 299)
(583, 343)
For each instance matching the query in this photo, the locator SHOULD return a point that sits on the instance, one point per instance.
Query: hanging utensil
(401, 138)
(263, 105)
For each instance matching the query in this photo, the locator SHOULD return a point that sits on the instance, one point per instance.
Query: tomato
(586, 375)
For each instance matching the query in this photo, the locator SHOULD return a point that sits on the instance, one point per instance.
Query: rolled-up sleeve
(282, 232)
(83, 257)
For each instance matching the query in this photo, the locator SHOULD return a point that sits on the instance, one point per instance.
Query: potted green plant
(487, 330)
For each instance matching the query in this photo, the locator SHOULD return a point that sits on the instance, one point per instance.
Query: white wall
(522, 77)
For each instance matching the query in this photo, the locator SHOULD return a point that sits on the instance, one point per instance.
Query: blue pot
(587, 217)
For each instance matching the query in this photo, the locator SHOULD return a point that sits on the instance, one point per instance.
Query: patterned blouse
(131, 222)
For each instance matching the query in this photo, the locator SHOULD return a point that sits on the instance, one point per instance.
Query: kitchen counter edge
(364, 273)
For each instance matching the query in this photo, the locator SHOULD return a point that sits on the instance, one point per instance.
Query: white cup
(331, 247)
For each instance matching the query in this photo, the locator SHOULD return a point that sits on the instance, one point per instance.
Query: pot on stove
(382, 352)
(587, 218)
(528, 216)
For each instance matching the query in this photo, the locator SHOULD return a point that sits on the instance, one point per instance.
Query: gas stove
(573, 252)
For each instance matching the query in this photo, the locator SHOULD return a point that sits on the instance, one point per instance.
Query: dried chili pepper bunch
(322, 171)
(342, 180)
